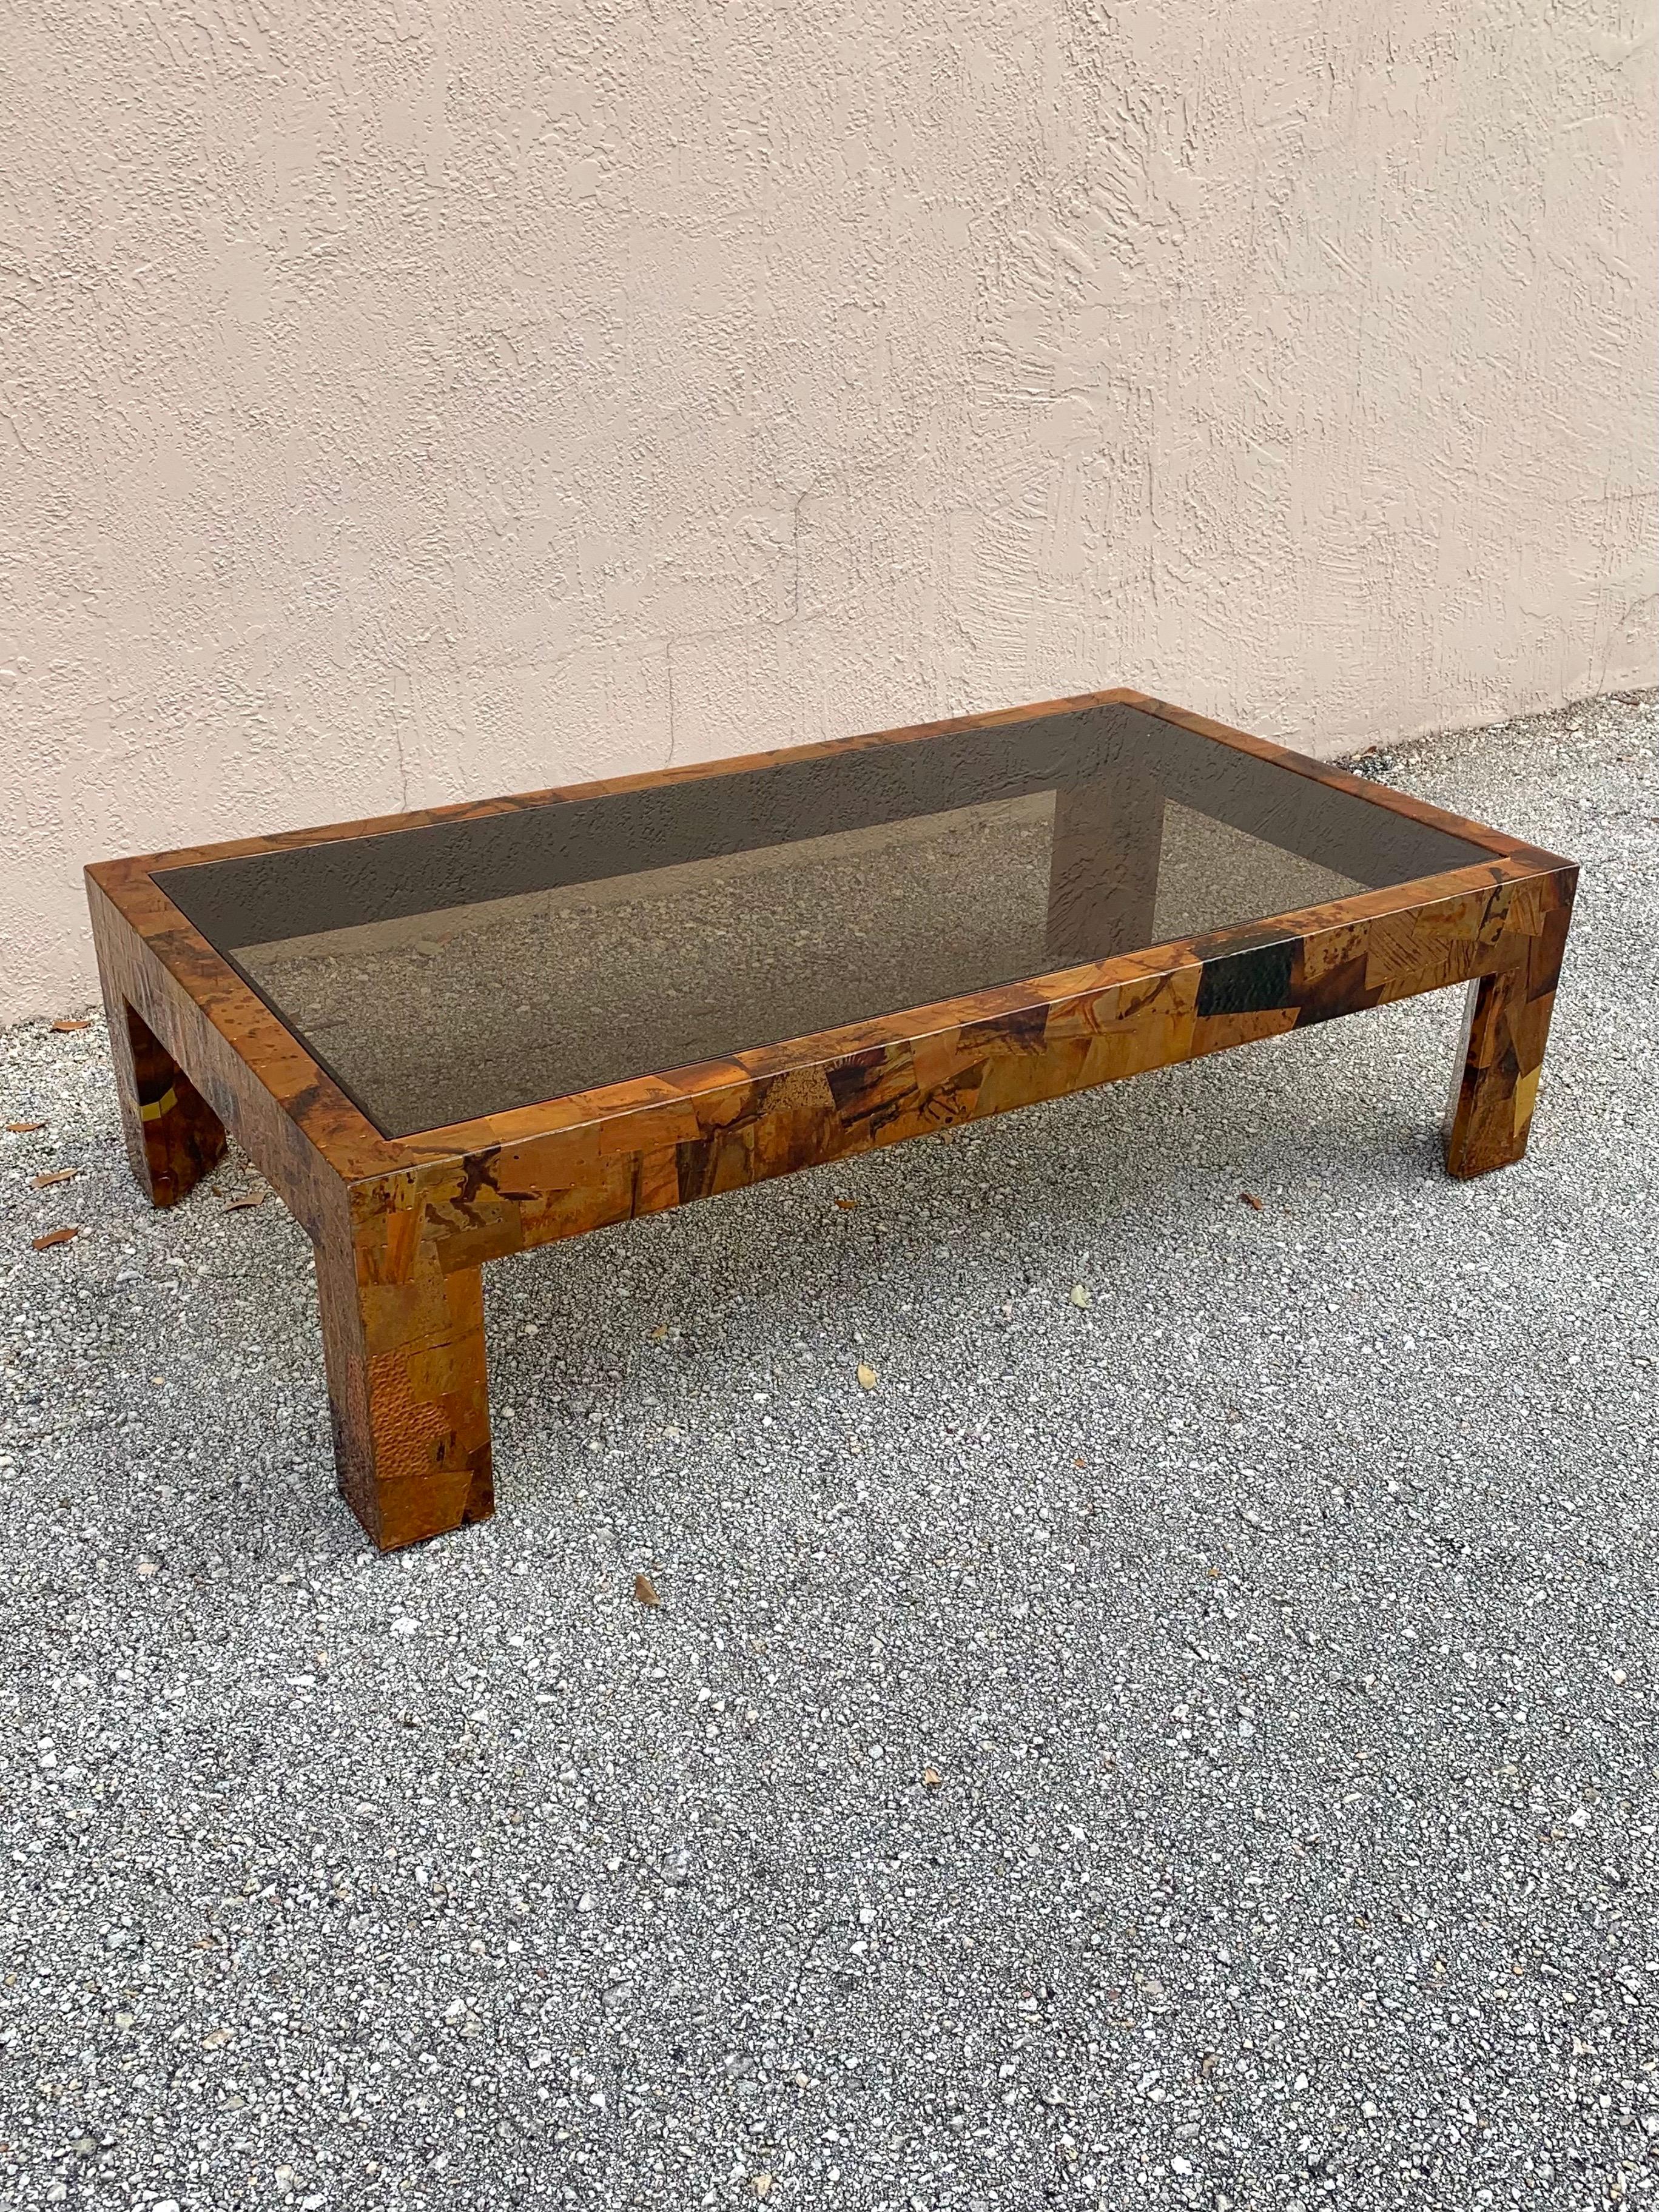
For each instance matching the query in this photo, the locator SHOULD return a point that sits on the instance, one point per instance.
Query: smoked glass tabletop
(459, 969)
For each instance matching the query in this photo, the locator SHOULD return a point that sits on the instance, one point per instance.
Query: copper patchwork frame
(402, 1225)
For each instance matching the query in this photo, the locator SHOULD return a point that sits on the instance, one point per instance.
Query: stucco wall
(404, 402)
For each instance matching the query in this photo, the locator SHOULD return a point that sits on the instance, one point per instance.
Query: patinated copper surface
(403, 1223)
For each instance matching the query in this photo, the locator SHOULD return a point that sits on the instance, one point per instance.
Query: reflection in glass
(462, 968)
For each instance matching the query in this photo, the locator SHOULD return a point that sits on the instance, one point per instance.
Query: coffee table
(450, 1035)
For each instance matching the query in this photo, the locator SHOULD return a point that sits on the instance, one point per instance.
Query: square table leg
(1505, 1028)
(1102, 876)
(174, 1136)
(404, 1344)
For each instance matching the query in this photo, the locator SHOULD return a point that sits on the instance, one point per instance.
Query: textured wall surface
(404, 402)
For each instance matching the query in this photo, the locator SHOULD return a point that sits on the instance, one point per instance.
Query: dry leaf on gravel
(1079, 1294)
(1249, 1198)
(247, 1198)
(24, 1129)
(930, 1777)
(867, 1376)
(66, 1026)
(54, 1236)
(847, 1204)
(58, 1175)
(645, 1590)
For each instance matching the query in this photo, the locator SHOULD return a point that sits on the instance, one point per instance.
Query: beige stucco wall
(401, 402)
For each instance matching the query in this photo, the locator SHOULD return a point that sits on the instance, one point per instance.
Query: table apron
(667, 1152)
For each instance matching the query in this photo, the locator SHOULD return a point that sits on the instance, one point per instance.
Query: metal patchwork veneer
(450, 1035)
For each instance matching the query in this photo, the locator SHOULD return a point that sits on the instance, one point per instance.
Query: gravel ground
(1186, 1735)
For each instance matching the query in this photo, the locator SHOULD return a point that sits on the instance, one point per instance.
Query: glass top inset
(463, 968)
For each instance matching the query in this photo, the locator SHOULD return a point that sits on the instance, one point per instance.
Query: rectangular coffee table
(448, 1035)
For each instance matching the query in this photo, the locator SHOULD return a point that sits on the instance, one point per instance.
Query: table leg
(404, 1348)
(1505, 1028)
(1103, 875)
(173, 1136)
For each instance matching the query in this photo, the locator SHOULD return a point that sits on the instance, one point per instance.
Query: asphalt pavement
(1184, 1732)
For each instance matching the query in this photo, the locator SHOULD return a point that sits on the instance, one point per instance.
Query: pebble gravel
(1153, 1701)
